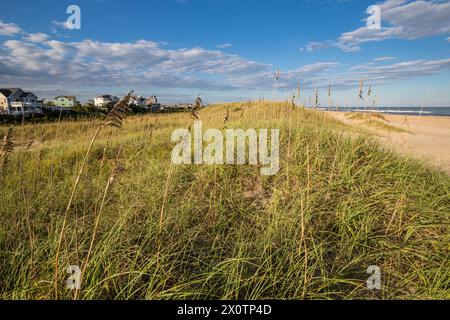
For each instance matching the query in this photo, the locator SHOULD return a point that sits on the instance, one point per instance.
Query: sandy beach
(427, 138)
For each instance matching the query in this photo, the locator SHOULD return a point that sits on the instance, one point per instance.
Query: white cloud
(309, 75)
(9, 29)
(313, 46)
(384, 59)
(148, 64)
(381, 74)
(37, 37)
(403, 19)
(60, 24)
(142, 62)
(224, 45)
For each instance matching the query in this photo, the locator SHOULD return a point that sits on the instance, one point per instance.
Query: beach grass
(374, 120)
(366, 116)
(142, 228)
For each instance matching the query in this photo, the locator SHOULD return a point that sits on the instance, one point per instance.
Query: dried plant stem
(303, 243)
(303, 227)
(166, 192)
(97, 220)
(6, 149)
(161, 213)
(114, 118)
(28, 221)
(308, 172)
(289, 147)
(69, 204)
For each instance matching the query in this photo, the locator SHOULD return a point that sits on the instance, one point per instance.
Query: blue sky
(228, 50)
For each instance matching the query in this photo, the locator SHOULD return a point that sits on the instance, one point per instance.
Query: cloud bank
(401, 19)
(38, 60)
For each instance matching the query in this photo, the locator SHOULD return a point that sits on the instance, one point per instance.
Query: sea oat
(7, 148)
(316, 98)
(360, 90)
(114, 118)
(227, 117)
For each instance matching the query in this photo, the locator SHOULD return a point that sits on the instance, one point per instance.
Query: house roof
(8, 91)
(68, 97)
(26, 94)
(105, 96)
(5, 92)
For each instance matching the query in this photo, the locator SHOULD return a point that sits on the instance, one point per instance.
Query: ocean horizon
(419, 111)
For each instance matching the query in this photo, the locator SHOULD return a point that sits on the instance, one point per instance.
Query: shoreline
(389, 113)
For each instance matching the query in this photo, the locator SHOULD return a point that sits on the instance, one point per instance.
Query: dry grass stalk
(194, 114)
(7, 148)
(226, 118)
(161, 213)
(242, 114)
(293, 105)
(277, 74)
(198, 103)
(330, 97)
(114, 118)
(360, 90)
(316, 100)
(114, 172)
(360, 94)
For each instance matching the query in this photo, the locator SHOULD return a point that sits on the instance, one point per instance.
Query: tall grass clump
(142, 228)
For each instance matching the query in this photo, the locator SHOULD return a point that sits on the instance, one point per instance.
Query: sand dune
(427, 138)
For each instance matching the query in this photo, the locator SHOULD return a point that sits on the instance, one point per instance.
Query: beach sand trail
(426, 138)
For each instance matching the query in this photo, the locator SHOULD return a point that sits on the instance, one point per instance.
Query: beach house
(15, 101)
(138, 101)
(65, 101)
(152, 104)
(104, 100)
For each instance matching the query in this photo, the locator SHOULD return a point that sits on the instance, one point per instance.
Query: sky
(230, 50)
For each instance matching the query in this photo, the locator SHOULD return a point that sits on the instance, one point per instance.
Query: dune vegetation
(141, 228)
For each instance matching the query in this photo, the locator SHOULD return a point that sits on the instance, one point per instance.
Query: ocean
(423, 111)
